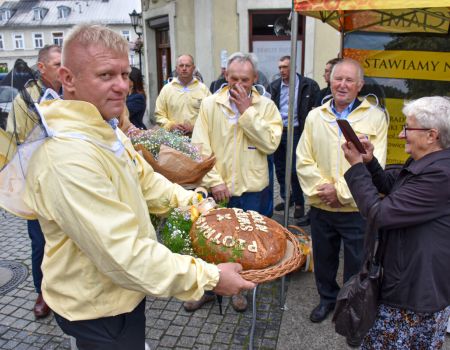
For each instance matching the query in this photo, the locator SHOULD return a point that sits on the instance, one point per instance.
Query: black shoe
(321, 312)
(304, 221)
(299, 211)
(354, 342)
(280, 206)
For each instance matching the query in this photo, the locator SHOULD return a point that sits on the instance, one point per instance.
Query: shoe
(321, 312)
(280, 206)
(304, 221)
(239, 302)
(191, 306)
(354, 342)
(40, 308)
(299, 211)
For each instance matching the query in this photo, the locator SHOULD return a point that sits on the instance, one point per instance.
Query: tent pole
(290, 131)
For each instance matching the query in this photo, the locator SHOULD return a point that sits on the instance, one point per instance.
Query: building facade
(28, 25)
(208, 28)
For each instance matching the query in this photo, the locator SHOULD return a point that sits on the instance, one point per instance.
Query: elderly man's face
(345, 84)
(49, 70)
(185, 68)
(241, 73)
(102, 80)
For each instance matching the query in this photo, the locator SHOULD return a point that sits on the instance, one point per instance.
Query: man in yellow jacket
(21, 121)
(92, 194)
(321, 166)
(179, 101)
(241, 128)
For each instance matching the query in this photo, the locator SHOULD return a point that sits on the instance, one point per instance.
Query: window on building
(38, 40)
(2, 46)
(5, 15)
(63, 11)
(37, 14)
(126, 34)
(19, 42)
(58, 38)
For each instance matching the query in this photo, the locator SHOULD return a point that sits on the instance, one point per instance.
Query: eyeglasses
(406, 128)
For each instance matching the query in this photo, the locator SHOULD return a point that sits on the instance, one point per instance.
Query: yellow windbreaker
(92, 194)
(320, 159)
(177, 103)
(241, 148)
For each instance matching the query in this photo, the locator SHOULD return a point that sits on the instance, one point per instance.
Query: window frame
(34, 40)
(15, 41)
(2, 42)
(59, 40)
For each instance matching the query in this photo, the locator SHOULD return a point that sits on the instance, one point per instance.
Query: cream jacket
(92, 194)
(241, 148)
(177, 104)
(320, 159)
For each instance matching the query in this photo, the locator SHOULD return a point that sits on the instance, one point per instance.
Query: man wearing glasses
(321, 166)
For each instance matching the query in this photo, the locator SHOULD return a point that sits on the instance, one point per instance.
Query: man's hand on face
(240, 97)
(327, 194)
(220, 192)
(231, 282)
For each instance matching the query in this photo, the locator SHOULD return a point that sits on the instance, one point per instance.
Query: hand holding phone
(350, 135)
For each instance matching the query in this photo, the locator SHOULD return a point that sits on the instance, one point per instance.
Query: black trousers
(328, 230)
(121, 332)
(280, 168)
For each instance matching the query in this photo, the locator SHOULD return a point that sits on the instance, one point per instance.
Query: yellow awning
(395, 16)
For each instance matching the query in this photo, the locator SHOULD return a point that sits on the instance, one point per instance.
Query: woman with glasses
(414, 221)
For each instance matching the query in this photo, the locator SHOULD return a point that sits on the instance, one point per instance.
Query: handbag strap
(372, 250)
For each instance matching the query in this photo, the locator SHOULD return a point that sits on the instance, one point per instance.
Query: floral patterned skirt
(402, 329)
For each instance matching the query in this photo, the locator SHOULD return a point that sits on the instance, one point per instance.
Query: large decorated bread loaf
(232, 235)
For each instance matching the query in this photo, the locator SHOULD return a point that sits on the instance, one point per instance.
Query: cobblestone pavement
(168, 325)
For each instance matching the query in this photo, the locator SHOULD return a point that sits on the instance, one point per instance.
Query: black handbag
(357, 301)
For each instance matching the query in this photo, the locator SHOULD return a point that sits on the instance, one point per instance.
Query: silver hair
(243, 57)
(432, 112)
(353, 62)
(94, 34)
(188, 55)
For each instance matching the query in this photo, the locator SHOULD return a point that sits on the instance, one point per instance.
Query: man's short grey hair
(432, 112)
(243, 57)
(351, 61)
(45, 52)
(188, 55)
(94, 34)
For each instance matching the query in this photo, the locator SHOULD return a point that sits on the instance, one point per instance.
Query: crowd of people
(92, 192)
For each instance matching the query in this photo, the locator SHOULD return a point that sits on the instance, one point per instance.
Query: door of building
(270, 39)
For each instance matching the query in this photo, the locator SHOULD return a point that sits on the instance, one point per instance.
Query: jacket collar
(77, 117)
(358, 104)
(417, 166)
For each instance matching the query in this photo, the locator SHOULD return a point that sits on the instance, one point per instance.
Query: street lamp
(136, 22)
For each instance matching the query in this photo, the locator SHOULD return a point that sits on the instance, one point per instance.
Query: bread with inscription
(233, 235)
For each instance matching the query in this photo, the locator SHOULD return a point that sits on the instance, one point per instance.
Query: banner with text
(425, 65)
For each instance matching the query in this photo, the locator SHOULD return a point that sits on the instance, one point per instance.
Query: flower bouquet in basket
(264, 248)
(169, 153)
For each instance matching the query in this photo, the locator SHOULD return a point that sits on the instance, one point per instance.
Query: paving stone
(224, 338)
(168, 315)
(210, 328)
(155, 334)
(168, 341)
(187, 342)
(191, 331)
(174, 330)
(205, 338)
(180, 320)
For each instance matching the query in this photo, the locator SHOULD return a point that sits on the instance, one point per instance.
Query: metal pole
(290, 131)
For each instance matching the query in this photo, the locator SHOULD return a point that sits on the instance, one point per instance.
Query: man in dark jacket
(306, 97)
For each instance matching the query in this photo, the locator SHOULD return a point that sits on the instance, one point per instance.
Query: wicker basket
(292, 260)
